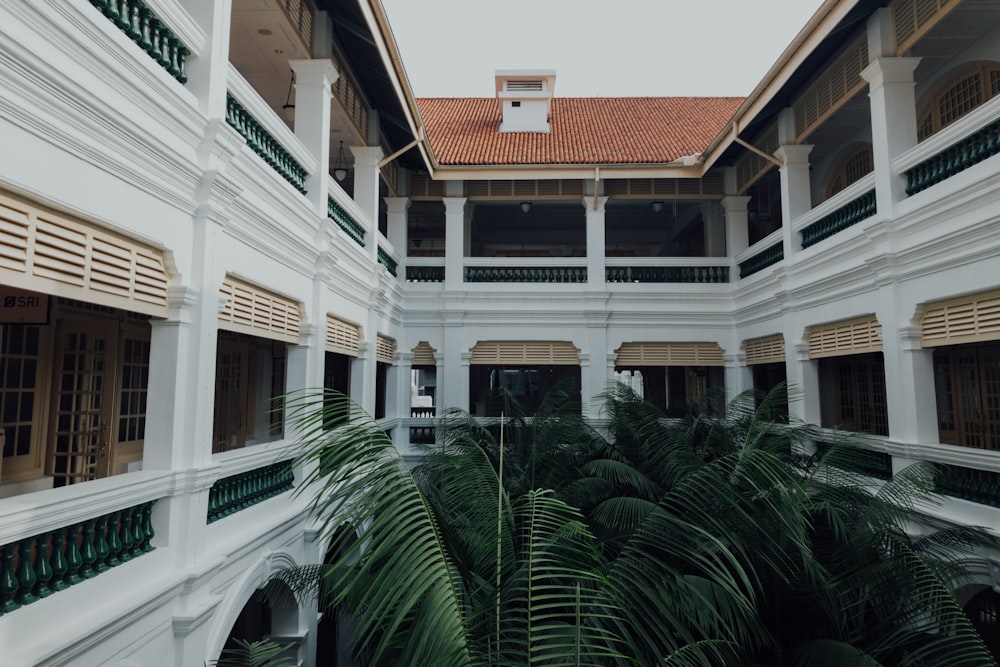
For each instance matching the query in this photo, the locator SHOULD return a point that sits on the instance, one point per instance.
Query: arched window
(969, 87)
(855, 163)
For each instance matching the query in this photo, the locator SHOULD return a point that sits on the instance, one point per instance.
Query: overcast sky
(607, 48)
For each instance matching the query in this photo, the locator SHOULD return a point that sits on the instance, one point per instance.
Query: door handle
(105, 438)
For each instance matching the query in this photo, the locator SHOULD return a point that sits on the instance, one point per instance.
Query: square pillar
(366, 188)
(454, 243)
(313, 82)
(397, 224)
(894, 125)
(595, 241)
(715, 229)
(739, 376)
(208, 74)
(796, 195)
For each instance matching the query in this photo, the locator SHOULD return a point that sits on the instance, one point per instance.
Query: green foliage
(707, 540)
(263, 653)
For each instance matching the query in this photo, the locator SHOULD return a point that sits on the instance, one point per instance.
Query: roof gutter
(826, 18)
(402, 82)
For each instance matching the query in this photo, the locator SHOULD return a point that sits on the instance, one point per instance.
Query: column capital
(588, 204)
(794, 153)
(881, 71)
(734, 204)
(454, 204)
(367, 156)
(310, 73)
(397, 204)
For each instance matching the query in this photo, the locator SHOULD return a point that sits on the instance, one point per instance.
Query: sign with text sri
(22, 307)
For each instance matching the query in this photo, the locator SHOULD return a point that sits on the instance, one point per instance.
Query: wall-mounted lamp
(288, 98)
(340, 165)
(657, 206)
(525, 206)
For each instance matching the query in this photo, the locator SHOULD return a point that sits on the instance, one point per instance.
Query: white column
(715, 229)
(396, 208)
(796, 198)
(737, 231)
(803, 381)
(454, 243)
(894, 124)
(363, 377)
(739, 376)
(366, 188)
(398, 399)
(595, 241)
(594, 375)
(208, 73)
(313, 79)
(453, 371)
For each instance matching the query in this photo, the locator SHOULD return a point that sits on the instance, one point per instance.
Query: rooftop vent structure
(525, 99)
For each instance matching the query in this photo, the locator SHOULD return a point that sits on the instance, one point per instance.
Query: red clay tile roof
(584, 130)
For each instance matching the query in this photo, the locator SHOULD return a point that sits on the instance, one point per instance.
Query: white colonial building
(206, 204)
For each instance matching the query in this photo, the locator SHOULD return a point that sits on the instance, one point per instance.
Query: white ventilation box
(525, 99)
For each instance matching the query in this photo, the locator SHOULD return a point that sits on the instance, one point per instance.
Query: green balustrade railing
(238, 492)
(978, 486)
(425, 274)
(762, 260)
(38, 566)
(386, 260)
(667, 274)
(849, 214)
(856, 459)
(264, 144)
(143, 27)
(961, 155)
(338, 214)
(525, 274)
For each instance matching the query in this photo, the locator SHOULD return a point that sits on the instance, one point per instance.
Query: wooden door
(80, 437)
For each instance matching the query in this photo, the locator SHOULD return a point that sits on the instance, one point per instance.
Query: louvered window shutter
(838, 339)
(970, 319)
(525, 353)
(632, 355)
(49, 253)
(342, 337)
(385, 349)
(252, 310)
(766, 350)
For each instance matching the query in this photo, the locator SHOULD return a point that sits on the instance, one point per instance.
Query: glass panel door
(83, 400)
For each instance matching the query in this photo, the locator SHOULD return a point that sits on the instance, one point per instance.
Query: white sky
(607, 48)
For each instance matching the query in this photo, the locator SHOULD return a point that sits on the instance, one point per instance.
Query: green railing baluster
(88, 553)
(975, 148)
(60, 567)
(101, 547)
(265, 145)
(25, 572)
(238, 492)
(847, 215)
(8, 581)
(43, 565)
(140, 24)
(74, 561)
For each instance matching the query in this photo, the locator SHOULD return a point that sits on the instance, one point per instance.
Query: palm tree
(698, 541)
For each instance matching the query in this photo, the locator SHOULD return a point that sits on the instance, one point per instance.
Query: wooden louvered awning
(631, 355)
(424, 355)
(525, 353)
(46, 252)
(968, 319)
(765, 350)
(342, 337)
(385, 349)
(837, 339)
(255, 311)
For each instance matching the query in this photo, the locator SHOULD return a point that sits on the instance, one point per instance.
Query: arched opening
(273, 615)
(333, 647)
(983, 610)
